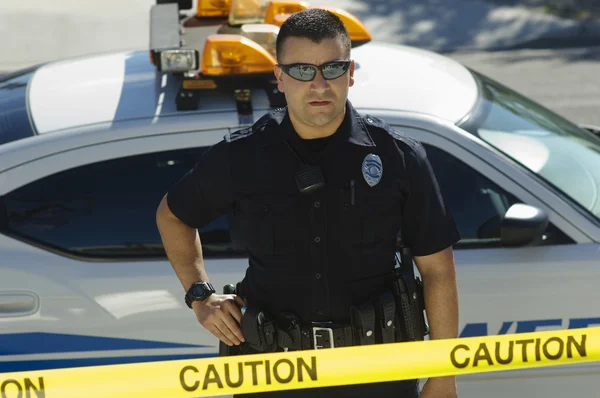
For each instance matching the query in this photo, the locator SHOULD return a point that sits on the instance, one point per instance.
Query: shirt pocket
(253, 219)
(268, 224)
(373, 224)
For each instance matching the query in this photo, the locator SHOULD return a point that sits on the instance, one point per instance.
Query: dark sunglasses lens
(334, 70)
(302, 72)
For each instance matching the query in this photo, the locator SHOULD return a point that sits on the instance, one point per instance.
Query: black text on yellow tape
(308, 369)
(282, 371)
(518, 350)
(22, 387)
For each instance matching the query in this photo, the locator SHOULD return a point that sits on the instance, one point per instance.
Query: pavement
(35, 31)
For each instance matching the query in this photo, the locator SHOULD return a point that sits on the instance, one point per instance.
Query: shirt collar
(352, 130)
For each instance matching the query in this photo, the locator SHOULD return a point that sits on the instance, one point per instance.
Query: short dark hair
(314, 24)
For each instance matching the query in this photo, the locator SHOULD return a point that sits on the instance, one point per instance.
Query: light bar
(181, 60)
(234, 55)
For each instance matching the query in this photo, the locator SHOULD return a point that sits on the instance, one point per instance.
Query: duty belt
(369, 325)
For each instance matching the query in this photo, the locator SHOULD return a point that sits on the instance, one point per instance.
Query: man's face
(318, 102)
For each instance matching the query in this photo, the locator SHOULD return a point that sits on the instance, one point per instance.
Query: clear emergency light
(247, 12)
(263, 34)
(182, 60)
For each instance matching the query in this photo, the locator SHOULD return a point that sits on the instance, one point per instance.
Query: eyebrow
(308, 63)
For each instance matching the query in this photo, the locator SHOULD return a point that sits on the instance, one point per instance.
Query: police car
(88, 147)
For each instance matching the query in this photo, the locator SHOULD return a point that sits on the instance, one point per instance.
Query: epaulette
(248, 131)
(378, 123)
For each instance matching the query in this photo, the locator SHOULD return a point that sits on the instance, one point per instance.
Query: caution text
(518, 350)
(22, 388)
(245, 373)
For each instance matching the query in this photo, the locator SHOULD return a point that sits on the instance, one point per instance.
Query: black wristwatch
(198, 291)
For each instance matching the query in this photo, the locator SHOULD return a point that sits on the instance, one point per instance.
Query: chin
(321, 120)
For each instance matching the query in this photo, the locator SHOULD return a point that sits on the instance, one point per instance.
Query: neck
(308, 132)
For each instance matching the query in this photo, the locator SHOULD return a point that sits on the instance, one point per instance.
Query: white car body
(60, 309)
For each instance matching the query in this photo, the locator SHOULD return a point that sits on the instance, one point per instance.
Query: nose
(319, 84)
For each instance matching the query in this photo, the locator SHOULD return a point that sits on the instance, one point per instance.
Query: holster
(410, 306)
(257, 327)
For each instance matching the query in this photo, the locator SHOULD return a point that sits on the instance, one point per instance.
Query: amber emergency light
(280, 10)
(356, 30)
(213, 8)
(234, 55)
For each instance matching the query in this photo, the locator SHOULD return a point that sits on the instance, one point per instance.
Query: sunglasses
(307, 72)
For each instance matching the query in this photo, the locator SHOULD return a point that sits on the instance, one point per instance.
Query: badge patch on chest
(372, 169)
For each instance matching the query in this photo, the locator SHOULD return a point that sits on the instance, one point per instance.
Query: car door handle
(18, 303)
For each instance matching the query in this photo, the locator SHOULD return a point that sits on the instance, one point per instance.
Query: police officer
(318, 193)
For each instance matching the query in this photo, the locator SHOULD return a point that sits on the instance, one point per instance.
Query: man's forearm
(441, 303)
(182, 245)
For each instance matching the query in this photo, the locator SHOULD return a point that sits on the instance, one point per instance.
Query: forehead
(300, 49)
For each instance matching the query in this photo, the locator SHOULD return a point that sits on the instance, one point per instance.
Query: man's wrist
(198, 291)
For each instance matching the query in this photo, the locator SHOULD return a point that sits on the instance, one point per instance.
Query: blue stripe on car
(20, 366)
(49, 343)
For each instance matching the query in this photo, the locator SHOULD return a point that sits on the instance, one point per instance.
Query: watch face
(198, 290)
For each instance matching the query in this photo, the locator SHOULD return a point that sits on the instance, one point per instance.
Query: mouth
(320, 103)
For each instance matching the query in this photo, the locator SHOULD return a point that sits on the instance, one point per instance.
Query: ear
(279, 76)
(351, 71)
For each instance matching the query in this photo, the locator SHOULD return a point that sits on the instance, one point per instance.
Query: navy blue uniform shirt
(317, 254)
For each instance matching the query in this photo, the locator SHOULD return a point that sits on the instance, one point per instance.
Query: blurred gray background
(547, 49)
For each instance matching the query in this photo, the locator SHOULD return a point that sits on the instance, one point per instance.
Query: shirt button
(319, 312)
(317, 204)
(317, 276)
(317, 239)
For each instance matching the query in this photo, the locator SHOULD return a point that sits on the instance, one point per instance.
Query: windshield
(14, 117)
(566, 156)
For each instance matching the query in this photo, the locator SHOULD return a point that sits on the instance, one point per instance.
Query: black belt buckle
(322, 337)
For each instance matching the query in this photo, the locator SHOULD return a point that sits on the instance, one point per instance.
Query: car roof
(122, 86)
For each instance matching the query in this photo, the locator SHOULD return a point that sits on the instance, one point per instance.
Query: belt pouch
(386, 311)
(363, 323)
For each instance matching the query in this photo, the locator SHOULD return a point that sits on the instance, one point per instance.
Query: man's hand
(440, 387)
(220, 314)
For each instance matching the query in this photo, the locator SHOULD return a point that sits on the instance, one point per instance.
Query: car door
(514, 290)
(84, 276)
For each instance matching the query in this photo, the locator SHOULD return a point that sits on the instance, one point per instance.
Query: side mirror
(591, 129)
(523, 225)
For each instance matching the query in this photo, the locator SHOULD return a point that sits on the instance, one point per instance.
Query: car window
(14, 117)
(107, 210)
(476, 202)
(549, 146)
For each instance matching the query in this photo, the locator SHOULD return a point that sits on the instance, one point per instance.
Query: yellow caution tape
(308, 369)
